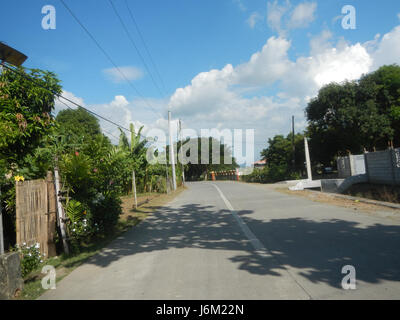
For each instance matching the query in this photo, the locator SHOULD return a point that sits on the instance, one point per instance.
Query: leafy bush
(271, 174)
(30, 258)
(79, 223)
(106, 210)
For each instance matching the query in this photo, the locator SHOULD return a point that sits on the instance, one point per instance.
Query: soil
(329, 199)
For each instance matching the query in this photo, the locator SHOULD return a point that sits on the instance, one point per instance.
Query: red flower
(77, 153)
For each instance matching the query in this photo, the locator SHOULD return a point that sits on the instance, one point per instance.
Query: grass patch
(66, 264)
(378, 192)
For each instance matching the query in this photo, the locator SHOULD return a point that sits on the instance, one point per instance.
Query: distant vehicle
(327, 170)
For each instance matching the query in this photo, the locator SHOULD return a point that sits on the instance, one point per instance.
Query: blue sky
(225, 64)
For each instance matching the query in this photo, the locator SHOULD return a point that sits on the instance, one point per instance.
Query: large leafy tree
(382, 87)
(25, 115)
(280, 152)
(351, 116)
(25, 120)
(193, 171)
(78, 124)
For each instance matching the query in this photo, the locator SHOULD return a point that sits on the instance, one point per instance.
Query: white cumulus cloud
(123, 74)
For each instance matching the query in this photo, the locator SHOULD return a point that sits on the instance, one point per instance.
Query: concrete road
(229, 240)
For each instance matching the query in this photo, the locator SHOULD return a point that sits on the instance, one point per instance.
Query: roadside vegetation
(94, 172)
(378, 192)
(349, 117)
(96, 175)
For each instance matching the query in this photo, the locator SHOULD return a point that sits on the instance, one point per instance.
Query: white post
(60, 211)
(134, 187)
(308, 159)
(1, 229)
(171, 151)
(183, 168)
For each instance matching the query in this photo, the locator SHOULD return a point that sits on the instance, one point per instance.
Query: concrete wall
(379, 167)
(344, 168)
(357, 164)
(10, 275)
(350, 166)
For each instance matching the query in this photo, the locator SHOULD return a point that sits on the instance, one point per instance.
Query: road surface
(229, 240)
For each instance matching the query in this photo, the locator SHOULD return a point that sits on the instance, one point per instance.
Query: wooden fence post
(51, 214)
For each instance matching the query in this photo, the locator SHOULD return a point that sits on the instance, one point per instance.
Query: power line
(145, 45)
(108, 56)
(134, 45)
(67, 99)
(88, 110)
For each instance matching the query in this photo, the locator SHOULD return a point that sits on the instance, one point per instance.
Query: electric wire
(145, 45)
(134, 45)
(108, 57)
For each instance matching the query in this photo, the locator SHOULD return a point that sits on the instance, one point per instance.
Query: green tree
(25, 120)
(279, 157)
(25, 115)
(351, 116)
(78, 124)
(216, 149)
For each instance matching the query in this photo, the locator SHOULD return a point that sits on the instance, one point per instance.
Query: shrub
(106, 210)
(30, 258)
(79, 224)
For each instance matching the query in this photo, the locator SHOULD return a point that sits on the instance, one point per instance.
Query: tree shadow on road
(318, 248)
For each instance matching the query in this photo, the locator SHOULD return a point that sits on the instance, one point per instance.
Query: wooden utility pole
(134, 187)
(171, 152)
(183, 169)
(60, 211)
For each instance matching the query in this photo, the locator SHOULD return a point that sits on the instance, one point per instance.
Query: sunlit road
(229, 240)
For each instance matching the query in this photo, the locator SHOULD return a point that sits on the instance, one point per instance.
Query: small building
(260, 164)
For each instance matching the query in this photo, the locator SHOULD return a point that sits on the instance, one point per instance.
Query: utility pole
(309, 174)
(166, 170)
(1, 230)
(134, 187)
(293, 147)
(133, 145)
(171, 151)
(60, 210)
(183, 169)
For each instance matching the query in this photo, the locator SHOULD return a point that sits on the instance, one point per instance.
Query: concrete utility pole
(134, 187)
(171, 151)
(183, 169)
(293, 147)
(307, 159)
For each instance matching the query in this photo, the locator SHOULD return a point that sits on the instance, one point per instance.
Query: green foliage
(78, 124)
(30, 258)
(25, 115)
(79, 226)
(25, 120)
(271, 174)
(351, 116)
(107, 211)
(216, 150)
